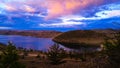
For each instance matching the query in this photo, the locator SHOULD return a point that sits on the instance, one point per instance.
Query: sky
(60, 15)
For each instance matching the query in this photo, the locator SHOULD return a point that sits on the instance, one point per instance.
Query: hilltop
(82, 38)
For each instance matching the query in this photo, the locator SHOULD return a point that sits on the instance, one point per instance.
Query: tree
(9, 58)
(112, 49)
(56, 54)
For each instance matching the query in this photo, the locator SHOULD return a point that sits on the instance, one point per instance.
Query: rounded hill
(80, 38)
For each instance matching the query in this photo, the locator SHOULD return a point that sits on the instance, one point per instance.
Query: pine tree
(112, 49)
(56, 54)
(9, 58)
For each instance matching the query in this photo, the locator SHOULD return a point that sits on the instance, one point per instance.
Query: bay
(27, 41)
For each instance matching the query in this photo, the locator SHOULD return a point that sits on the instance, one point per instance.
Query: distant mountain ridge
(36, 33)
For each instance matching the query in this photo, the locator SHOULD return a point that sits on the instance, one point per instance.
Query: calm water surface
(27, 41)
(30, 42)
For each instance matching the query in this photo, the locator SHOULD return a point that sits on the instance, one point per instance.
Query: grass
(92, 61)
(79, 38)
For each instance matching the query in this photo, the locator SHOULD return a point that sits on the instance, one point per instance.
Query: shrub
(112, 50)
(56, 54)
(9, 58)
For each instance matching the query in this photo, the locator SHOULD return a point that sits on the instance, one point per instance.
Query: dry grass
(33, 62)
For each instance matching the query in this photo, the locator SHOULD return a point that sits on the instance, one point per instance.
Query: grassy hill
(81, 38)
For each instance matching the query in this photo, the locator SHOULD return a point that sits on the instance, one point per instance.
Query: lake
(27, 41)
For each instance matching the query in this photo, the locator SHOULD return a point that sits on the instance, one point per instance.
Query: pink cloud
(55, 8)
(10, 7)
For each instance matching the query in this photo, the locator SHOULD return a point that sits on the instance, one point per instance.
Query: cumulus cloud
(108, 14)
(105, 11)
(57, 8)
(53, 8)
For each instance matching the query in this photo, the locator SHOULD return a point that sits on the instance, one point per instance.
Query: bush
(56, 54)
(112, 50)
(9, 58)
(38, 56)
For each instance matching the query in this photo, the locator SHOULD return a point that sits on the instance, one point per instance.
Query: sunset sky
(61, 15)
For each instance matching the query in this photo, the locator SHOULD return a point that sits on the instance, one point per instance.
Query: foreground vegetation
(57, 57)
(9, 58)
(112, 50)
